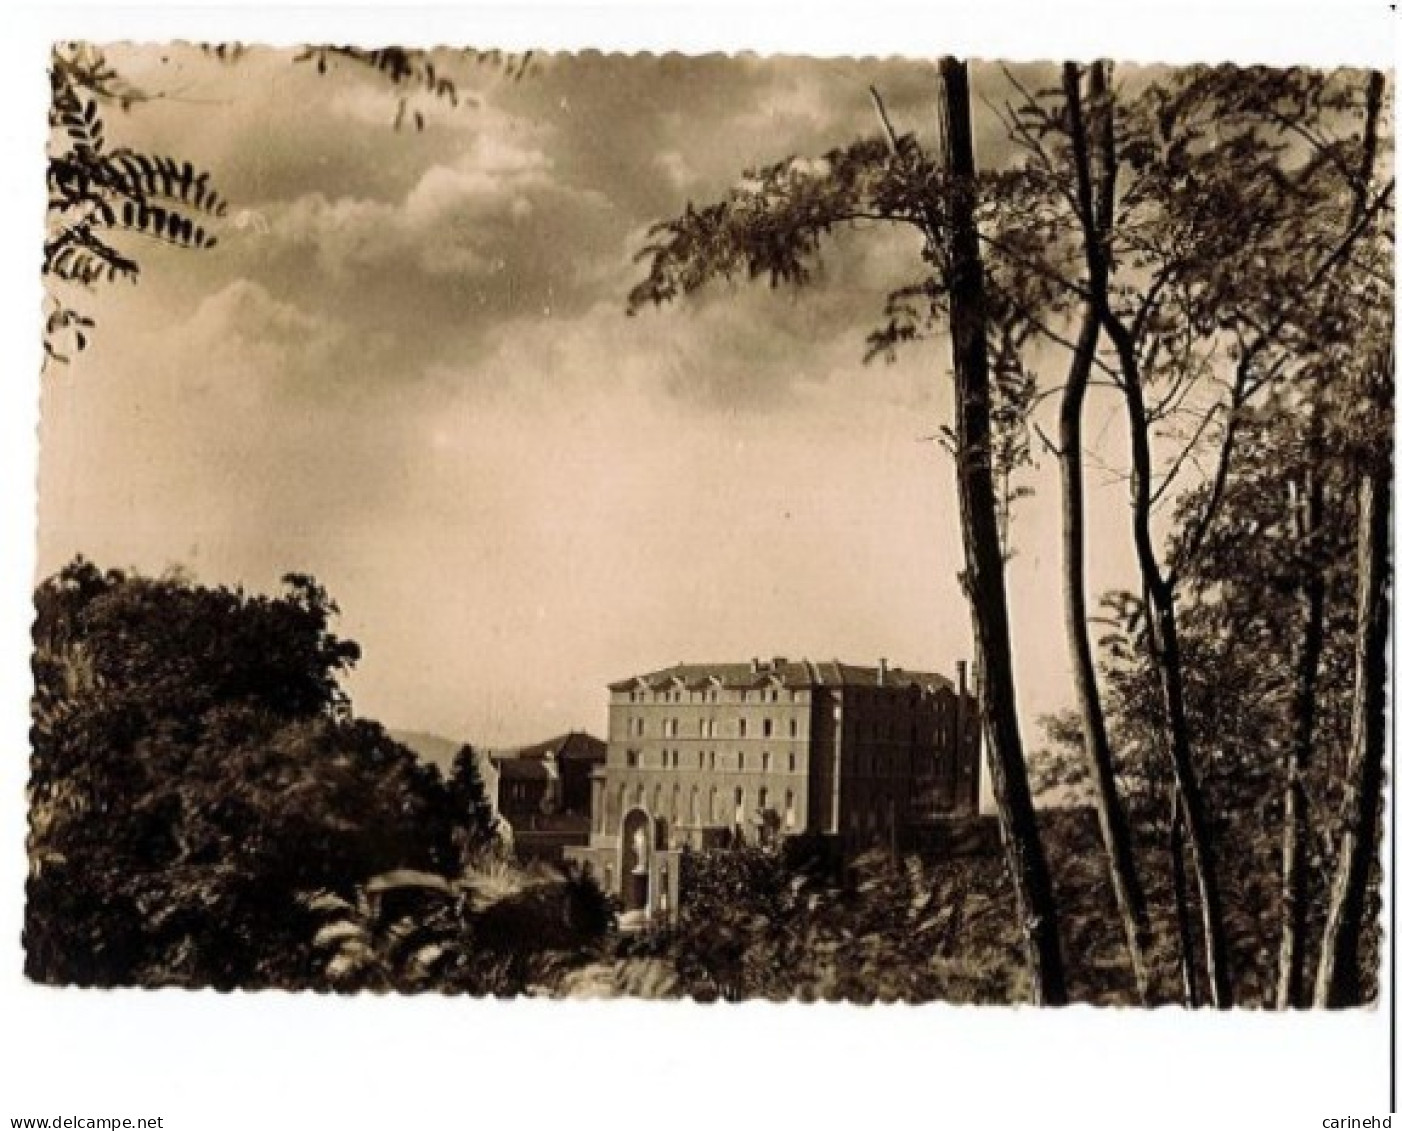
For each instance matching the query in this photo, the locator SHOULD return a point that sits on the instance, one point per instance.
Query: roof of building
(794, 674)
(576, 746)
(522, 769)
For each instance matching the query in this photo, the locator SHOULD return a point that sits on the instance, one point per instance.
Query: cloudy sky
(407, 369)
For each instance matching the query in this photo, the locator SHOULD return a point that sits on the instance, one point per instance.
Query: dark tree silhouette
(471, 812)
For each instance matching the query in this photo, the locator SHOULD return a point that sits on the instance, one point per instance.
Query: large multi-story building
(700, 754)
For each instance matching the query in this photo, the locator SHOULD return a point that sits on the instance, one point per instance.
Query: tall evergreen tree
(471, 813)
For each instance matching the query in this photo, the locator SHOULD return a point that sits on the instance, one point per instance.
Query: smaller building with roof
(543, 792)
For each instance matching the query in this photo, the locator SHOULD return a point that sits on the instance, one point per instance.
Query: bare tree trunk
(983, 569)
(1187, 968)
(1096, 220)
(1338, 981)
(1294, 874)
(1169, 662)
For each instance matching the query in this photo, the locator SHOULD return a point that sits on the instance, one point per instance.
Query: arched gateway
(635, 848)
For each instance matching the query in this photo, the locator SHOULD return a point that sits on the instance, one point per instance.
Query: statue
(640, 850)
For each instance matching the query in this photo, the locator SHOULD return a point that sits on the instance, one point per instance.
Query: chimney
(754, 666)
(881, 670)
(962, 667)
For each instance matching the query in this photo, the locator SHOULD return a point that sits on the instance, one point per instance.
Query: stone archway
(635, 848)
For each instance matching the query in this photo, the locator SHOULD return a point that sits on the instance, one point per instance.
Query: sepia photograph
(523, 525)
(418, 533)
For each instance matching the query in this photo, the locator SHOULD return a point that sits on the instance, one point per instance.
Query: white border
(286, 1061)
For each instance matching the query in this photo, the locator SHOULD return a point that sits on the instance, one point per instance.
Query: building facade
(702, 754)
(543, 793)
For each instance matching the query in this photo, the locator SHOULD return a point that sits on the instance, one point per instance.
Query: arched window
(742, 728)
(740, 760)
(763, 798)
(768, 728)
(764, 761)
(793, 763)
(793, 728)
(676, 803)
(715, 804)
(740, 805)
(790, 815)
(695, 805)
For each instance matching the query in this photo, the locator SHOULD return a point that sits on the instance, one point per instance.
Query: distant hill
(438, 751)
(431, 748)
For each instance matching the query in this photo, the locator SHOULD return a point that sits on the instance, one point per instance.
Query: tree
(473, 816)
(1218, 210)
(101, 197)
(1338, 981)
(772, 227)
(983, 556)
(1092, 153)
(195, 768)
(1310, 526)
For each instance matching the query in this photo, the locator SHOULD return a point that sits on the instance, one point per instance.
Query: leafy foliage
(1250, 291)
(765, 923)
(99, 194)
(497, 929)
(414, 70)
(101, 198)
(195, 767)
(475, 822)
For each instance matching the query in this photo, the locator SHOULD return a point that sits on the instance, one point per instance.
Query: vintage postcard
(717, 527)
(580, 568)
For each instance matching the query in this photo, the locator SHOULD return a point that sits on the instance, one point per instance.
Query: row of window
(710, 696)
(706, 728)
(862, 762)
(864, 730)
(704, 760)
(714, 809)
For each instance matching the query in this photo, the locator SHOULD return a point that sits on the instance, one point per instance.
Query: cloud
(409, 372)
(484, 213)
